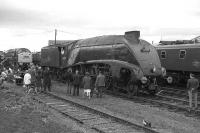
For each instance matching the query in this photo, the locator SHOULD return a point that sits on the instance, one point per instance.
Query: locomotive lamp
(144, 80)
(62, 50)
(154, 69)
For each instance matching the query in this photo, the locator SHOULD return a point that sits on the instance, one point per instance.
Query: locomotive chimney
(132, 36)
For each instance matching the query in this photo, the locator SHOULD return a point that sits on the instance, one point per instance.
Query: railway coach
(180, 58)
(131, 65)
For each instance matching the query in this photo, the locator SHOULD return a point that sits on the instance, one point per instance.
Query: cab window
(182, 54)
(163, 54)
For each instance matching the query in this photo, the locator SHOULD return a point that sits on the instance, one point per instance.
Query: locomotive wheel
(132, 90)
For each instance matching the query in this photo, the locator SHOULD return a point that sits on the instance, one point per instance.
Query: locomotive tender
(180, 58)
(130, 64)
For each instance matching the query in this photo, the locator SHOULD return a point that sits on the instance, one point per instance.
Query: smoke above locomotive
(127, 58)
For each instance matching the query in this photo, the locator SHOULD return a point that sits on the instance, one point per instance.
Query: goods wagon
(131, 64)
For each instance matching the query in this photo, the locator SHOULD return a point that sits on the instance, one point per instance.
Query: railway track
(176, 93)
(162, 100)
(95, 119)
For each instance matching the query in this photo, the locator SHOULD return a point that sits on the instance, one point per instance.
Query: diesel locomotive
(180, 58)
(131, 65)
(18, 58)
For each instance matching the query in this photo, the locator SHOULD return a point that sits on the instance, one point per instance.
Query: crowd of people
(42, 82)
(38, 80)
(76, 81)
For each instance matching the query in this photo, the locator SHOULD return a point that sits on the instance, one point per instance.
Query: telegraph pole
(55, 35)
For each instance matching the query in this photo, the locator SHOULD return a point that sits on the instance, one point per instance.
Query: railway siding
(160, 118)
(98, 120)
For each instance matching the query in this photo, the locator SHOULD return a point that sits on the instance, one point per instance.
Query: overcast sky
(31, 23)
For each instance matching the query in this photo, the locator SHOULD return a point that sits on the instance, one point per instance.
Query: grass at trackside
(20, 114)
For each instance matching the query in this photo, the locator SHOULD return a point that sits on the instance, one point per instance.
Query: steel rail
(101, 113)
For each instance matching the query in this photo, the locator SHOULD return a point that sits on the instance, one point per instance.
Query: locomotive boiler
(131, 65)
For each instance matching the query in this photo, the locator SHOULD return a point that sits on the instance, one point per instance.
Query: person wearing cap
(100, 84)
(192, 86)
(76, 83)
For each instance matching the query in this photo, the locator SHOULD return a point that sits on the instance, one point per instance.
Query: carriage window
(182, 54)
(163, 54)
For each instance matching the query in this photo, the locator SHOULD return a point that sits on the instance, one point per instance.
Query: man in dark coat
(76, 83)
(46, 79)
(87, 81)
(192, 86)
(100, 84)
(69, 81)
(33, 76)
(38, 79)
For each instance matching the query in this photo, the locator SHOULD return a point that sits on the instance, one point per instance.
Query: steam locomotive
(180, 58)
(131, 65)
